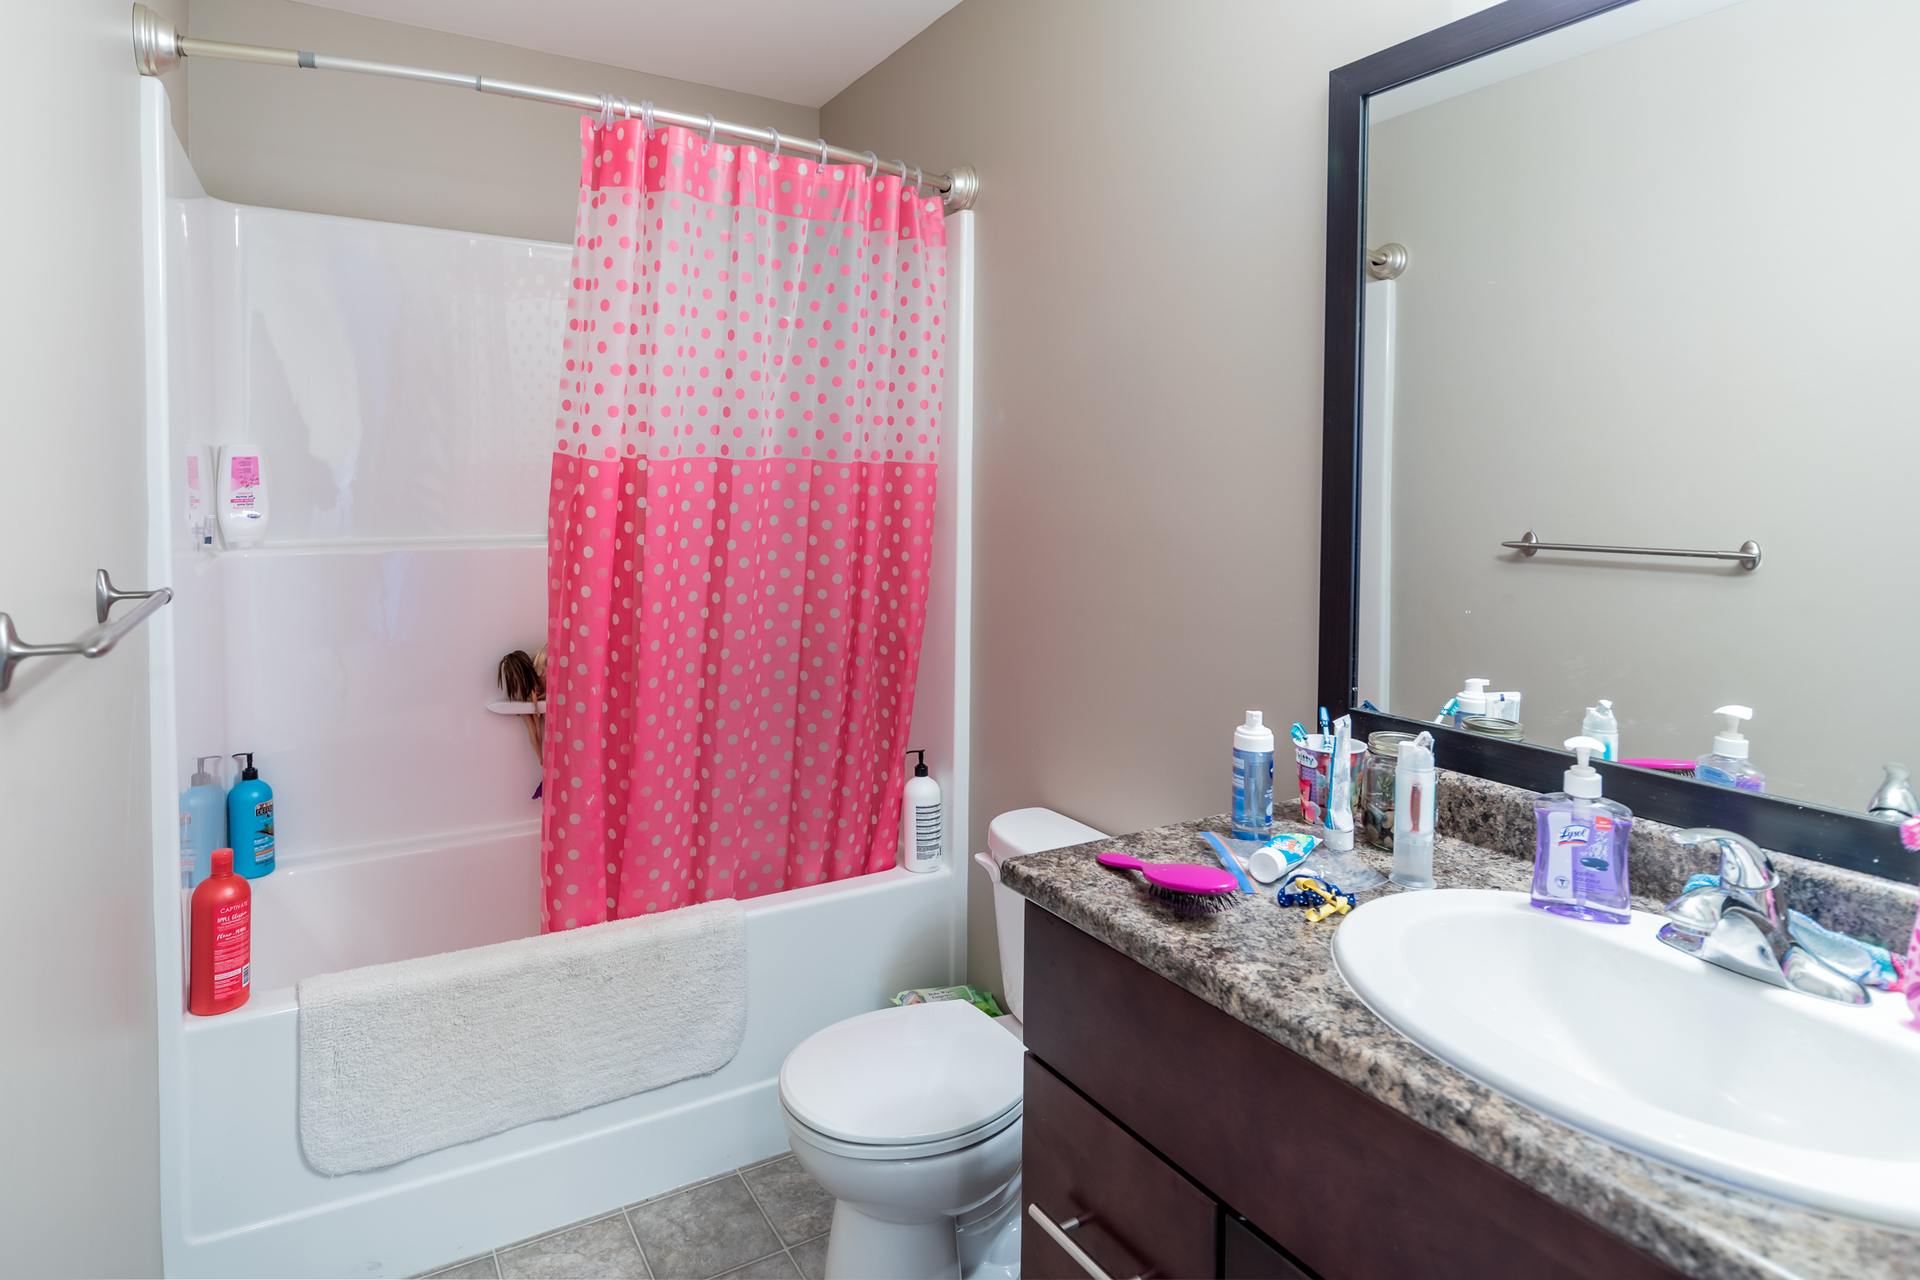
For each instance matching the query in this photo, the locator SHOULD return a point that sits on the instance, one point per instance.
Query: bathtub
(249, 1205)
(355, 654)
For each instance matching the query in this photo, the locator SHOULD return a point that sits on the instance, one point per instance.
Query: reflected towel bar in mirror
(96, 643)
(1748, 555)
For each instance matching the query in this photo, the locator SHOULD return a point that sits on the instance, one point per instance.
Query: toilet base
(863, 1247)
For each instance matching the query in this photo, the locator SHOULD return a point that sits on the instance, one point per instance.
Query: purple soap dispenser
(1580, 862)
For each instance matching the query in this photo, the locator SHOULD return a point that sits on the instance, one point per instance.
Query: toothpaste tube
(1280, 855)
(1340, 790)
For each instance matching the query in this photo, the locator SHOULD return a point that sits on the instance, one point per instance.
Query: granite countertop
(1274, 971)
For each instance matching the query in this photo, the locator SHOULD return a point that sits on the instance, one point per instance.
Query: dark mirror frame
(1850, 840)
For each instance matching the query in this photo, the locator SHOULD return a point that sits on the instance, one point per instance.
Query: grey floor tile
(590, 1251)
(704, 1232)
(811, 1258)
(480, 1268)
(772, 1267)
(798, 1207)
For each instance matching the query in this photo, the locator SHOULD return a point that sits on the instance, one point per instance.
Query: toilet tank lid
(1022, 831)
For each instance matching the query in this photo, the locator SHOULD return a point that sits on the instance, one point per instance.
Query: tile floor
(767, 1221)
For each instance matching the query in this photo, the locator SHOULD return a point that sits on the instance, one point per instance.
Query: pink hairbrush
(1180, 885)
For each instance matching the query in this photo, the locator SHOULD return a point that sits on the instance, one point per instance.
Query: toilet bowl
(910, 1117)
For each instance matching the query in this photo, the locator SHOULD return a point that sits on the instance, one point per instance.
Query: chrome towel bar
(96, 642)
(1748, 555)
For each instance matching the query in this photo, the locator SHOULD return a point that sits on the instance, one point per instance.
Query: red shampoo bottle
(222, 954)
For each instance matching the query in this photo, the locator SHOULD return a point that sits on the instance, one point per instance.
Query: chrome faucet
(1741, 923)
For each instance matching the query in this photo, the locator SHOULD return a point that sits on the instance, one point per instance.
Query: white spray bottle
(920, 851)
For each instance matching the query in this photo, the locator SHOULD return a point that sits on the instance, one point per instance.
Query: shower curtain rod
(158, 47)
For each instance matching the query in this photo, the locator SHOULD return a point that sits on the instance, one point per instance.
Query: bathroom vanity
(1205, 1096)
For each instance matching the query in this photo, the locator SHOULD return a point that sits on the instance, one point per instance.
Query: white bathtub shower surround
(400, 1059)
(354, 654)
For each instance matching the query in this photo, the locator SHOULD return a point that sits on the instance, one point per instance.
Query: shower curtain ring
(606, 110)
(626, 109)
(916, 182)
(823, 151)
(712, 128)
(902, 166)
(646, 115)
(775, 153)
(873, 164)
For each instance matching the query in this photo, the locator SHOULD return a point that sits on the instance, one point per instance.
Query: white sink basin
(1609, 1030)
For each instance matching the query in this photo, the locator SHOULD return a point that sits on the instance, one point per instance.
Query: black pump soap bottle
(250, 821)
(921, 852)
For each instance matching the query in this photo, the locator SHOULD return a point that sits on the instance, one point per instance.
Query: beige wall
(79, 1161)
(1152, 226)
(1634, 317)
(364, 147)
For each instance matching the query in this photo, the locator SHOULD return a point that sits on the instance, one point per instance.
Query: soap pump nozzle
(1583, 779)
(201, 778)
(920, 765)
(1729, 742)
(249, 773)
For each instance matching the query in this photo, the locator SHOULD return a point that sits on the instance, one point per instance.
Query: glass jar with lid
(1376, 787)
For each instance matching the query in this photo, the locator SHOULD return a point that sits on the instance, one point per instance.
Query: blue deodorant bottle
(1252, 779)
(203, 824)
(250, 821)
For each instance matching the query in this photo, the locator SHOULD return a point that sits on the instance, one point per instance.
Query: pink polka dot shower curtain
(739, 524)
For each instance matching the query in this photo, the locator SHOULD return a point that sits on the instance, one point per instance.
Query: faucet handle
(1743, 865)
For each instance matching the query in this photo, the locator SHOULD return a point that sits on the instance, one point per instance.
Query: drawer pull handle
(1059, 1236)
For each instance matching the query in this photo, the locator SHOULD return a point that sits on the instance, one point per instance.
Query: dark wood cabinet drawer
(1137, 1216)
(1356, 1192)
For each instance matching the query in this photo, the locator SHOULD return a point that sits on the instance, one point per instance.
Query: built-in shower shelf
(518, 708)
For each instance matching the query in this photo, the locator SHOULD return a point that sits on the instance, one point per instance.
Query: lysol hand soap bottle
(1580, 862)
(1252, 779)
(250, 821)
(1726, 765)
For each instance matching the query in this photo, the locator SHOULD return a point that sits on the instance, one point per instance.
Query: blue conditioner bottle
(250, 821)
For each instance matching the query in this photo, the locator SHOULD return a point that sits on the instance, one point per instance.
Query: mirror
(1656, 293)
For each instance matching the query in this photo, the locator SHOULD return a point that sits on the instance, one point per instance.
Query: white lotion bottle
(920, 851)
(241, 499)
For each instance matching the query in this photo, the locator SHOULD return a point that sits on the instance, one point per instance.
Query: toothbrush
(1326, 726)
(1299, 734)
(1230, 862)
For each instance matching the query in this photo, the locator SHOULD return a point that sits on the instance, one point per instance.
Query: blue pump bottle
(203, 824)
(250, 821)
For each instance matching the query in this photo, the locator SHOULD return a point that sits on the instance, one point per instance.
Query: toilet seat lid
(895, 1077)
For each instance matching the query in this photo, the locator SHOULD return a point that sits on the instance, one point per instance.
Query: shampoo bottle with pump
(250, 821)
(1252, 779)
(1727, 765)
(203, 824)
(921, 852)
(1580, 862)
(220, 959)
(1600, 725)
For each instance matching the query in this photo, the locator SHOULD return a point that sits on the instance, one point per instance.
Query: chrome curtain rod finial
(156, 45)
(964, 187)
(1386, 262)
(1748, 555)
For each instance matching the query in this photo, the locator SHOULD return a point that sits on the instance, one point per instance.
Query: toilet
(910, 1116)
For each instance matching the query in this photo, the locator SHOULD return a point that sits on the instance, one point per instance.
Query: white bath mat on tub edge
(400, 1059)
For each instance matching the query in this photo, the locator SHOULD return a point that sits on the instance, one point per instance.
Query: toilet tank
(1012, 835)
